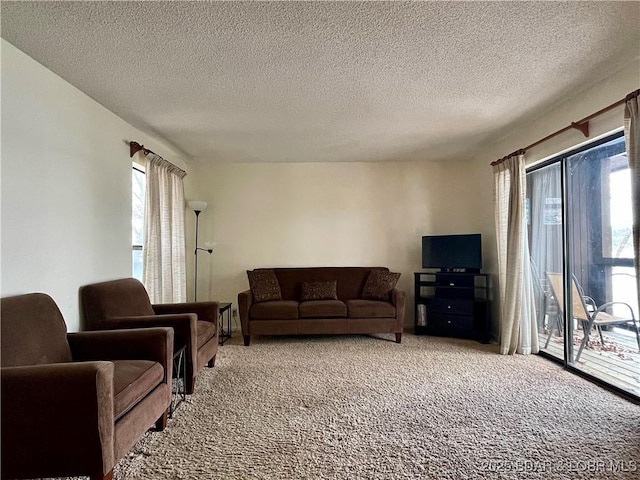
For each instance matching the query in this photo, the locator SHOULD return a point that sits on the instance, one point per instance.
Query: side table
(178, 385)
(222, 309)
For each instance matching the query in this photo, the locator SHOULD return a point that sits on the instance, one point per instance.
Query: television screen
(452, 252)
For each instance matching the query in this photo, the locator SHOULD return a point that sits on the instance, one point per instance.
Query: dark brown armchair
(74, 403)
(124, 303)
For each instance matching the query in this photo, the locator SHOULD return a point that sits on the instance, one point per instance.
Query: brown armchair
(124, 303)
(75, 403)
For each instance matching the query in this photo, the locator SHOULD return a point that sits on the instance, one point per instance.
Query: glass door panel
(545, 224)
(599, 265)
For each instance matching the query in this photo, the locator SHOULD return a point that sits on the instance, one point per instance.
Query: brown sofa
(297, 312)
(74, 404)
(124, 303)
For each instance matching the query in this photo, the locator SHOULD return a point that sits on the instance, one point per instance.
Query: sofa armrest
(57, 418)
(206, 311)
(155, 344)
(399, 300)
(245, 299)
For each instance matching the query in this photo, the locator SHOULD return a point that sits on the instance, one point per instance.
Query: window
(619, 219)
(618, 239)
(138, 192)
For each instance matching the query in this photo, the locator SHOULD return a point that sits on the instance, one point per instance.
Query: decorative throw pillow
(319, 291)
(379, 284)
(264, 285)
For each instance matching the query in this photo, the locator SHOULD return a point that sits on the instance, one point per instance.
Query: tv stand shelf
(452, 304)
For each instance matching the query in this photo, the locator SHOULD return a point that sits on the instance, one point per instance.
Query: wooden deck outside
(618, 363)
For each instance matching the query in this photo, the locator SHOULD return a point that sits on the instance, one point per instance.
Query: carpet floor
(359, 407)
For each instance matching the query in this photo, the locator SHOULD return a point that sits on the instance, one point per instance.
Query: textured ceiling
(326, 81)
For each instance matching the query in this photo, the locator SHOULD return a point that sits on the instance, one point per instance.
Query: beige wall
(66, 186)
(327, 214)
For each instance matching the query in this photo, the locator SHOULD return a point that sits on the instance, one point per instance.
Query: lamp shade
(197, 205)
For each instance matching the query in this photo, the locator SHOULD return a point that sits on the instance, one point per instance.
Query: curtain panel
(164, 247)
(518, 328)
(632, 139)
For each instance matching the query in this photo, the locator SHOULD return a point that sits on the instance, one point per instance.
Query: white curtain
(632, 139)
(164, 249)
(518, 329)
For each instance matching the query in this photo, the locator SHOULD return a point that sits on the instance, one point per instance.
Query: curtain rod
(582, 125)
(135, 147)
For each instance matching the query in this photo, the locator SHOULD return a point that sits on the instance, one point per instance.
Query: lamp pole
(197, 206)
(195, 254)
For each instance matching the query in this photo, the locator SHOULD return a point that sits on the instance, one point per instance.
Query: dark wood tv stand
(452, 304)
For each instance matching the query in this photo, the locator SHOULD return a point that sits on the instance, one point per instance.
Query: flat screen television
(453, 253)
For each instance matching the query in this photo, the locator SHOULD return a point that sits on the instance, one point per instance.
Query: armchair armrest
(206, 311)
(57, 417)
(184, 326)
(603, 309)
(154, 344)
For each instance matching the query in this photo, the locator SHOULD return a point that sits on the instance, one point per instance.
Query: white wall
(582, 104)
(66, 186)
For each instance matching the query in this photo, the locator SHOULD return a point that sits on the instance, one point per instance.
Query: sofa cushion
(350, 280)
(206, 331)
(319, 291)
(277, 310)
(360, 308)
(132, 381)
(379, 284)
(322, 309)
(264, 285)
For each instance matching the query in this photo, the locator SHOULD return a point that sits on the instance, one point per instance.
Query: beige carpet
(358, 407)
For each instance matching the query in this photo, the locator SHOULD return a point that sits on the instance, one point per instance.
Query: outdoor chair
(73, 404)
(588, 313)
(124, 303)
(546, 306)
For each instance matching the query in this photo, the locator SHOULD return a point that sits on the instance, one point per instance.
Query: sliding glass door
(582, 260)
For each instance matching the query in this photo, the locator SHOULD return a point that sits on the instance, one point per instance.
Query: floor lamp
(197, 206)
